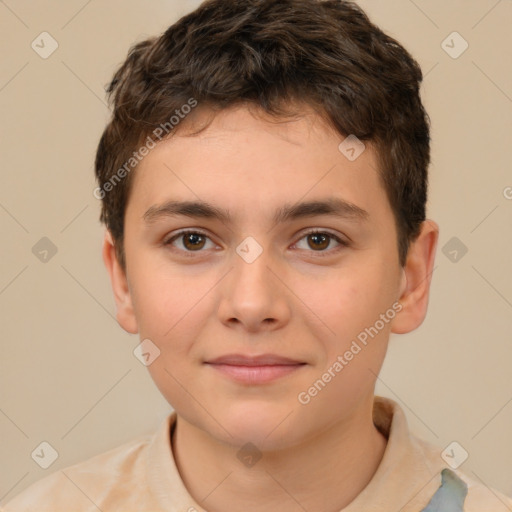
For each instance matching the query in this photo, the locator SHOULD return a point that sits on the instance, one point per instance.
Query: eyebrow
(199, 209)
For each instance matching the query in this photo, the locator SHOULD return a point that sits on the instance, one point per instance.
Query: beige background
(67, 372)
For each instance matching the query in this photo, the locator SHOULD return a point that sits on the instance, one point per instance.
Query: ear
(416, 278)
(125, 313)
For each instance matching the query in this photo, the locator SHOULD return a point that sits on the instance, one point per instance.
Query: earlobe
(416, 279)
(122, 295)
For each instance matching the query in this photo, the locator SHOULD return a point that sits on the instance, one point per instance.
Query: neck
(325, 473)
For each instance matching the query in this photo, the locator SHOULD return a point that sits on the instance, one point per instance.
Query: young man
(263, 184)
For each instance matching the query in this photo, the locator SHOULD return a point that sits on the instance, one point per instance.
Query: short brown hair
(273, 54)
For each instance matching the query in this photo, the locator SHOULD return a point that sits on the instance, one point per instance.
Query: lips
(252, 370)
(260, 360)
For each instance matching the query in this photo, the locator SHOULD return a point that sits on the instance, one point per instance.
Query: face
(252, 294)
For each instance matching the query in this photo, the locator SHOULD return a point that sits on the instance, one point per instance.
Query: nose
(253, 297)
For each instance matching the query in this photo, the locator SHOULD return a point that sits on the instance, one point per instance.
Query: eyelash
(326, 252)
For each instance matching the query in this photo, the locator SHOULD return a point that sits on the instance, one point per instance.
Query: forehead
(245, 161)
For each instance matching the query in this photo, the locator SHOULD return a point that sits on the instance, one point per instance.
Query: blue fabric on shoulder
(450, 496)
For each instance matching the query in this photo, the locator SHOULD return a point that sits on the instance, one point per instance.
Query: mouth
(254, 369)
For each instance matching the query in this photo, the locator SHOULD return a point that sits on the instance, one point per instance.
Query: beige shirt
(141, 475)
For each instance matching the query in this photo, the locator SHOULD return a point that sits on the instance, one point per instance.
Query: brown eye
(319, 241)
(193, 241)
(189, 241)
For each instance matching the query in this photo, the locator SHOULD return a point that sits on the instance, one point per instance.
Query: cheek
(165, 304)
(352, 303)
(345, 297)
(173, 321)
